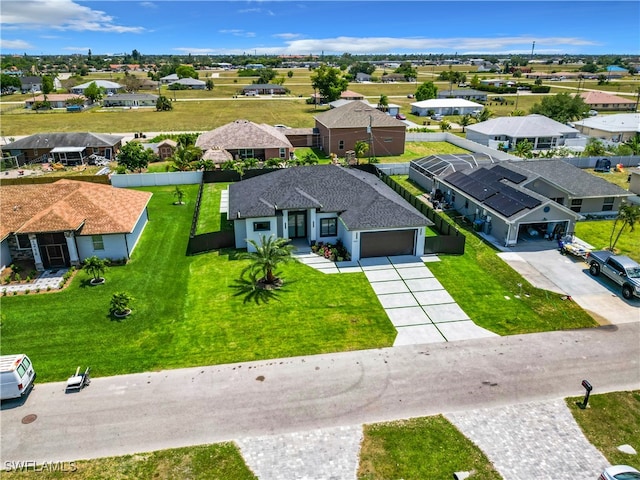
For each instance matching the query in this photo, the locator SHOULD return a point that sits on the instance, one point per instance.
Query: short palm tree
(628, 216)
(95, 266)
(465, 121)
(361, 147)
(269, 253)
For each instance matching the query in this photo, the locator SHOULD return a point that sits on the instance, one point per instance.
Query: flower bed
(334, 252)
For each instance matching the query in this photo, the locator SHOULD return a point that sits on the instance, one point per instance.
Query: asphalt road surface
(150, 411)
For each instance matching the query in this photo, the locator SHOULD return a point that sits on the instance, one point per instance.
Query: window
(245, 153)
(328, 227)
(341, 145)
(559, 200)
(607, 204)
(261, 226)
(283, 153)
(576, 205)
(23, 242)
(98, 242)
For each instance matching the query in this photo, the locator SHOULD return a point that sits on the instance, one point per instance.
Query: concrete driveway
(568, 275)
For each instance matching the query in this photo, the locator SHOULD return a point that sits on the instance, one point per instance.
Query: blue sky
(47, 27)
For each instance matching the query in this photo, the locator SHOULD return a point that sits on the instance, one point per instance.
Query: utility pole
(532, 47)
(370, 130)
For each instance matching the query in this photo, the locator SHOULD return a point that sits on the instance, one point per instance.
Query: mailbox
(587, 385)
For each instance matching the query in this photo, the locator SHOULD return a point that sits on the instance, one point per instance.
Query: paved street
(173, 408)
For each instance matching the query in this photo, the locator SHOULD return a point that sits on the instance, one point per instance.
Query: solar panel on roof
(510, 175)
(504, 205)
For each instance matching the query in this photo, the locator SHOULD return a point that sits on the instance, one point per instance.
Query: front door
(297, 224)
(54, 256)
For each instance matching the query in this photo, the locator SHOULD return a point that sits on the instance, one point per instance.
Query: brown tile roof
(89, 208)
(243, 134)
(54, 97)
(599, 98)
(357, 114)
(351, 94)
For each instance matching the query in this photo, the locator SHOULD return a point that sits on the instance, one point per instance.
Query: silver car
(620, 472)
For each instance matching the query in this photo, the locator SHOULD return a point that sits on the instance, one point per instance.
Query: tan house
(606, 101)
(619, 127)
(351, 95)
(245, 139)
(166, 148)
(60, 224)
(340, 128)
(56, 100)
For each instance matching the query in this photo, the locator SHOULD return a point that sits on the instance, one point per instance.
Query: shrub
(27, 291)
(120, 303)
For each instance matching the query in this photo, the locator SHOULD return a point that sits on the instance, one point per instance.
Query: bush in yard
(96, 266)
(120, 304)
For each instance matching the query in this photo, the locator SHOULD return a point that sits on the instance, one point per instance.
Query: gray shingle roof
(243, 134)
(131, 96)
(530, 126)
(567, 177)
(357, 114)
(76, 139)
(362, 200)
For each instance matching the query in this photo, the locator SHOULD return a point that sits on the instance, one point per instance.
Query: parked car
(401, 116)
(593, 113)
(16, 376)
(620, 472)
(410, 95)
(436, 116)
(621, 269)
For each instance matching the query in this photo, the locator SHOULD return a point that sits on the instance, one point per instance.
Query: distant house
(30, 84)
(60, 224)
(56, 100)
(445, 106)
(464, 93)
(66, 148)
(109, 87)
(190, 83)
(392, 78)
(363, 77)
(614, 71)
(543, 133)
(340, 128)
(245, 139)
(351, 95)
(169, 79)
(130, 100)
(327, 203)
(166, 148)
(616, 128)
(605, 101)
(265, 89)
(493, 82)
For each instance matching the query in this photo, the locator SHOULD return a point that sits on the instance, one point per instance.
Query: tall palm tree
(270, 252)
(464, 121)
(383, 103)
(484, 115)
(628, 216)
(524, 149)
(185, 158)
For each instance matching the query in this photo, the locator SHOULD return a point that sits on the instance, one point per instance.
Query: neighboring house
(60, 224)
(30, 84)
(363, 77)
(148, 84)
(327, 203)
(130, 100)
(445, 106)
(169, 79)
(424, 171)
(392, 78)
(494, 82)
(66, 148)
(351, 95)
(614, 71)
(190, 83)
(464, 93)
(56, 100)
(109, 87)
(166, 148)
(606, 101)
(528, 200)
(340, 128)
(245, 139)
(634, 180)
(617, 128)
(265, 89)
(543, 132)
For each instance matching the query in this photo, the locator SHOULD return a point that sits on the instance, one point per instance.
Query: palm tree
(269, 253)
(95, 266)
(361, 147)
(383, 103)
(628, 216)
(465, 121)
(179, 194)
(523, 149)
(445, 125)
(484, 115)
(185, 158)
(634, 143)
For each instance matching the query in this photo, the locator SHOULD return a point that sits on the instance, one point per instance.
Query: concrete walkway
(416, 303)
(51, 279)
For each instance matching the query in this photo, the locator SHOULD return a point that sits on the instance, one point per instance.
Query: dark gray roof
(75, 139)
(444, 164)
(30, 80)
(362, 200)
(357, 114)
(565, 176)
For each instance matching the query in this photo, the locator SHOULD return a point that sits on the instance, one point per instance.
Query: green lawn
(611, 420)
(420, 448)
(189, 311)
(617, 178)
(598, 232)
(210, 218)
(221, 461)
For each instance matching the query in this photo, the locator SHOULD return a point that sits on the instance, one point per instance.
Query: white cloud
(59, 15)
(257, 10)
(238, 33)
(15, 45)
(148, 5)
(286, 36)
(196, 51)
(77, 49)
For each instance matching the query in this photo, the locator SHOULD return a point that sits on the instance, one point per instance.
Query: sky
(52, 27)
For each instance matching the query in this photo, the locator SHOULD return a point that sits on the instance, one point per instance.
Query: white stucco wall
(240, 233)
(133, 237)
(115, 247)
(250, 234)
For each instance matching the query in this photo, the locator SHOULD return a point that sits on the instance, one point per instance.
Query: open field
(598, 232)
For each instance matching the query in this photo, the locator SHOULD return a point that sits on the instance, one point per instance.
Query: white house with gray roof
(106, 85)
(445, 106)
(615, 128)
(327, 203)
(130, 100)
(542, 132)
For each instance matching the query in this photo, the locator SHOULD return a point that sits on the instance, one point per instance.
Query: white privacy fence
(155, 179)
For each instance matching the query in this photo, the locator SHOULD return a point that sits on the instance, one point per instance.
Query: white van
(16, 376)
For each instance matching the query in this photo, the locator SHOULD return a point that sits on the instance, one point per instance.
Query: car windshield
(627, 476)
(633, 272)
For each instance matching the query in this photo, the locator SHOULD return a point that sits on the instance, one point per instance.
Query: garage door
(381, 244)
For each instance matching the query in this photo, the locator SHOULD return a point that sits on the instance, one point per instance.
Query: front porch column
(285, 224)
(73, 251)
(312, 224)
(37, 259)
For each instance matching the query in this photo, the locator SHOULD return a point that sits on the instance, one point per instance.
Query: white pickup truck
(619, 268)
